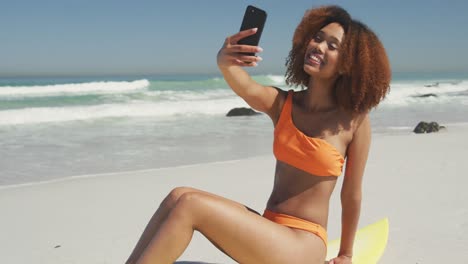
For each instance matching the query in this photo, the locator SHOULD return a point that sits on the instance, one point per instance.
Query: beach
(108, 106)
(416, 180)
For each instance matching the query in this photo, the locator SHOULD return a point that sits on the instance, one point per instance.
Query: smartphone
(254, 17)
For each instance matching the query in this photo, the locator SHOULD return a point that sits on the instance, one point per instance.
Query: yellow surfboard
(369, 244)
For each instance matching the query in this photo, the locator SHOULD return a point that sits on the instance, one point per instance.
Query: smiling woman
(315, 131)
(323, 40)
(362, 64)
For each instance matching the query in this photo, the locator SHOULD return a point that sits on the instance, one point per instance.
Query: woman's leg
(158, 218)
(246, 237)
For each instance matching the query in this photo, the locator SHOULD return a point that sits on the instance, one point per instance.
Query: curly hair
(363, 68)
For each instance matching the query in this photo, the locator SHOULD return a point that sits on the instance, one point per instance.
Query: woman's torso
(300, 193)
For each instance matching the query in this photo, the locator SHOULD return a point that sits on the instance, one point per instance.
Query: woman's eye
(332, 46)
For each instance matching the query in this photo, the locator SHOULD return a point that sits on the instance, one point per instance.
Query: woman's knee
(189, 204)
(171, 199)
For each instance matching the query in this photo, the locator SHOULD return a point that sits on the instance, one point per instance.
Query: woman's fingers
(244, 48)
(237, 55)
(240, 35)
(245, 64)
(240, 60)
(233, 53)
(249, 61)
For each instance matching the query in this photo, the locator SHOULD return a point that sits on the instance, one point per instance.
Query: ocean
(56, 128)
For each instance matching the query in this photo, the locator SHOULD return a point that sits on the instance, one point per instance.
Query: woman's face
(321, 57)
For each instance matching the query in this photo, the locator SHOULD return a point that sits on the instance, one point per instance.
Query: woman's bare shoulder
(360, 118)
(360, 122)
(355, 120)
(349, 124)
(278, 104)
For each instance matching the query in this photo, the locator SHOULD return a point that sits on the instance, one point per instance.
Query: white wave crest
(277, 79)
(74, 89)
(192, 95)
(162, 109)
(406, 94)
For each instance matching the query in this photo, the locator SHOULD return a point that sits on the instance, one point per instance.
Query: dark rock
(57, 246)
(421, 128)
(426, 95)
(424, 127)
(433, 127)
(242, 111)
(432, 85)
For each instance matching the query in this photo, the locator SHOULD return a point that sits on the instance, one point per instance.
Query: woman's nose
(321, 46)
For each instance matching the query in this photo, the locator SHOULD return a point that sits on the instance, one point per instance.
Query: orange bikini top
(313, 155)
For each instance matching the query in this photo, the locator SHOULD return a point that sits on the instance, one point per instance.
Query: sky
(103, 37)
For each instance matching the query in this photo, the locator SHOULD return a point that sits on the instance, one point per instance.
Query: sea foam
(74, 89)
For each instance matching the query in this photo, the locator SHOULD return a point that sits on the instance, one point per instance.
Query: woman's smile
(314, 59)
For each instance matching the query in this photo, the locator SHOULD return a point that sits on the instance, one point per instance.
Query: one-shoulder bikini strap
(286, 110)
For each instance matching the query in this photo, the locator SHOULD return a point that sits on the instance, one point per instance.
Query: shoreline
(117, 173)
(399, 131)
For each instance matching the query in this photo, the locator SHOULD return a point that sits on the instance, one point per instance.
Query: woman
(346, 71)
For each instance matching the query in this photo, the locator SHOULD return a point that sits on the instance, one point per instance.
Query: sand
(418, 181)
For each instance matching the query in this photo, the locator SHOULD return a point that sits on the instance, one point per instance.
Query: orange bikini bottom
(298, 223)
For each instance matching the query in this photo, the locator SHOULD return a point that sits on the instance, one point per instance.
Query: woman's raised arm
(231, 58)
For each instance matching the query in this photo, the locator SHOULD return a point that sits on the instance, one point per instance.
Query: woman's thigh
(248, 237)
(177, 192)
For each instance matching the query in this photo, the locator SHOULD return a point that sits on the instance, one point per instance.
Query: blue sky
(101, 37)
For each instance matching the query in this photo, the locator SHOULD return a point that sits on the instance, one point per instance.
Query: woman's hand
(341, 260)
(230, 54)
